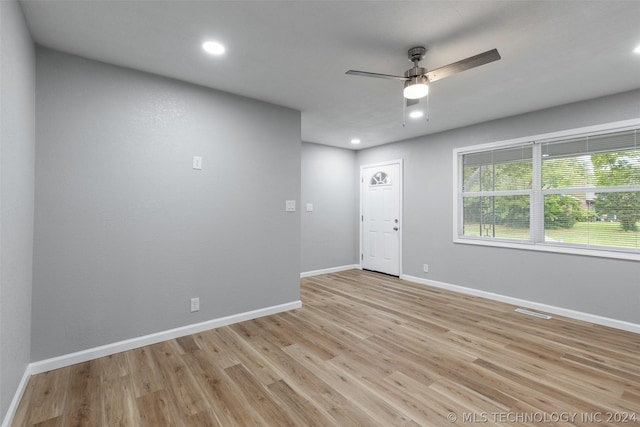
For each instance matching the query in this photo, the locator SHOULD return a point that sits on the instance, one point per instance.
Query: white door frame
(400, 163)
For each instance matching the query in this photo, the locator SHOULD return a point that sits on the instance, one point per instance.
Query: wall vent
(532, 313)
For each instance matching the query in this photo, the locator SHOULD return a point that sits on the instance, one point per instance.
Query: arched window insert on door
(380, 178)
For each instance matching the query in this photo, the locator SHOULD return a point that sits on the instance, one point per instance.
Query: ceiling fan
(416, 79)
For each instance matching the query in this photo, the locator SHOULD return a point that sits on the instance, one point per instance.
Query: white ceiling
(295, 54)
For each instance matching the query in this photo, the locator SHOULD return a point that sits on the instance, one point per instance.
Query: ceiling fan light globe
(416, 91)
(416, 88)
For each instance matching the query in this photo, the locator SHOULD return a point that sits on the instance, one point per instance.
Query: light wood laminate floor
(365, 349)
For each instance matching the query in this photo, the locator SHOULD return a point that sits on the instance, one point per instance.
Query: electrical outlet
(195, 304)
(425, 268)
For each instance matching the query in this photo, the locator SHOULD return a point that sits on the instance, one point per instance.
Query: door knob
(395, 228)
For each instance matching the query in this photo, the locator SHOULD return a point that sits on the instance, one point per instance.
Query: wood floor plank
(188, 344)
(206, 418)
(370, 376)
(48, 393)
(439, 406)
(258, 397)
(309, 337)
(118, 393)
(301, 379)
(154, 409)
(346, 384)
(179, 381)
(220, 392)
(84, 404)
(211, 342)
(146, 376)
(364, 350)
(302, 410)
(569, 401)
(249, 357)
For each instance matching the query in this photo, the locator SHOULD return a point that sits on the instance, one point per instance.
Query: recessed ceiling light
(416, 114)
(355, 141)
(637, 49)
(213, 48)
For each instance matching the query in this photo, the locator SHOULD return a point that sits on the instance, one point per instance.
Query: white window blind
(570, 192)
(591, 190)
(497, 189)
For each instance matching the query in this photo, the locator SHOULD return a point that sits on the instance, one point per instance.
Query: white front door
(381, 223)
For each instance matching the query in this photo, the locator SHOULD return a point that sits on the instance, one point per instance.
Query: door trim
(400, 163)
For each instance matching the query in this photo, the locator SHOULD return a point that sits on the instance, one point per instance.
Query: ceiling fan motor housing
(415, 72)
(416, 54)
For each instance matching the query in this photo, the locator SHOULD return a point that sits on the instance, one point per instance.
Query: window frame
(536, 240)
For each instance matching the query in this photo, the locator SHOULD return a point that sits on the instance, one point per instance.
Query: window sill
(546, 247)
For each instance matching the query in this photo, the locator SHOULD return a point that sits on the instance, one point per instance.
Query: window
(497, 193)
(573, 192)
(380, 178)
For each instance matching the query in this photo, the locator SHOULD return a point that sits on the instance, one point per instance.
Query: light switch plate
(309, 207)
(197, 162)
(290, 206)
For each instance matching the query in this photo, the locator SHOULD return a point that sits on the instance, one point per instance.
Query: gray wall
(126, 232)
(330, 182)
(17, 141)
(600, 286)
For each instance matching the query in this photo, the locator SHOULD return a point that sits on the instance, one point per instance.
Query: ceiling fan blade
(465, 64)
(376, 75)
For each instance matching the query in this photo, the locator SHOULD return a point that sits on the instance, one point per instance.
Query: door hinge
(361, 257)
(362, 218)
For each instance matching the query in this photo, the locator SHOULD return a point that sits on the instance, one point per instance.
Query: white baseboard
(330, 270)
(573, 314)
(13, 407)
(109, 349)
